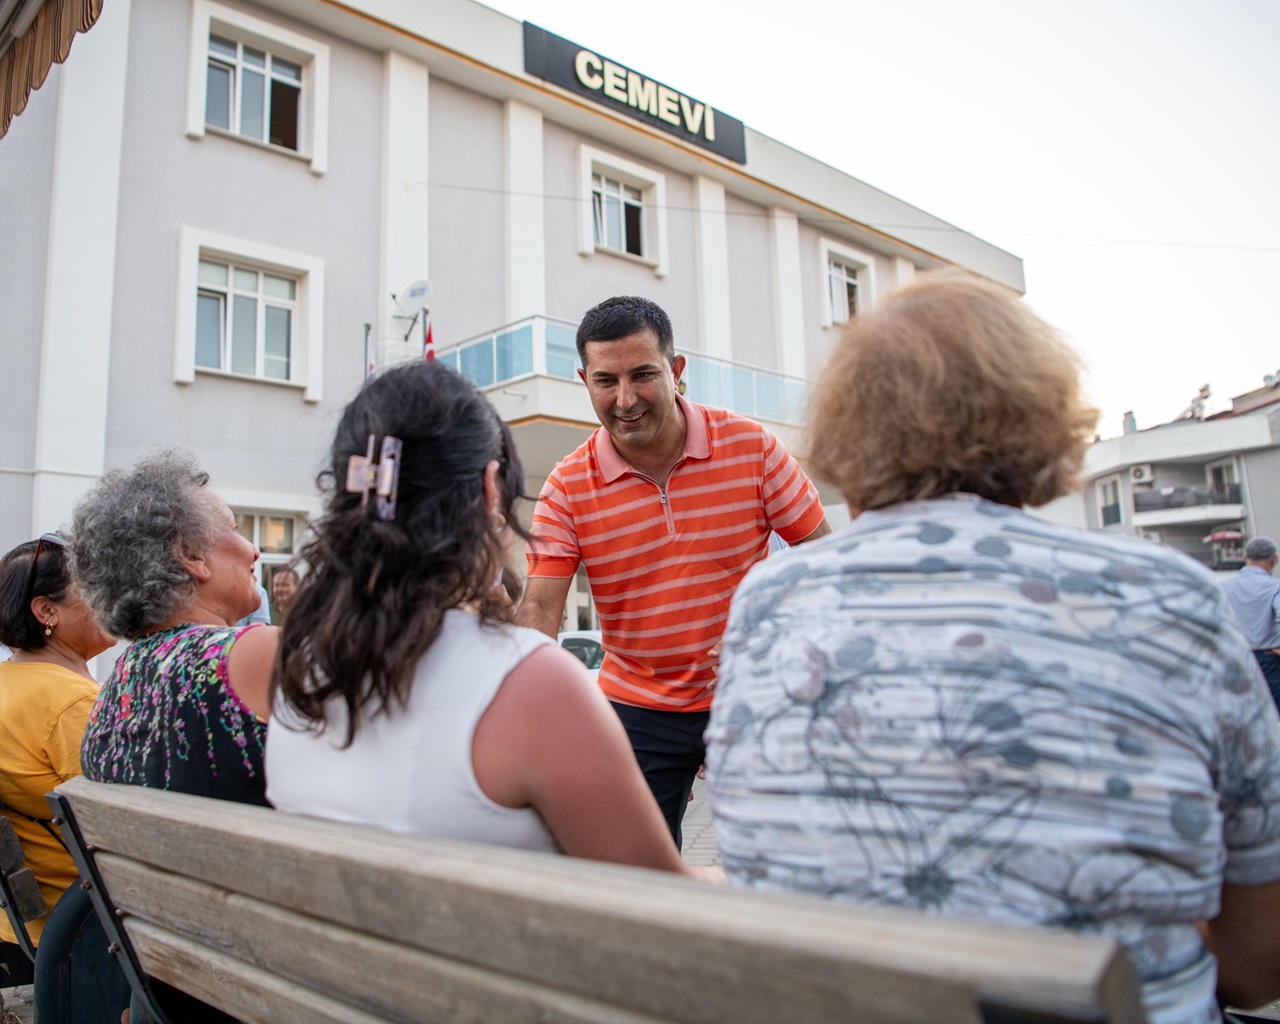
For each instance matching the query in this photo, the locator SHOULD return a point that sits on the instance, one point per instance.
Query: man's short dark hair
(1260, 549)
(623, 316)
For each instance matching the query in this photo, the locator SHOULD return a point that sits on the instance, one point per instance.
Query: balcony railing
(1110, 514)
(543, 346)
(1185, 497)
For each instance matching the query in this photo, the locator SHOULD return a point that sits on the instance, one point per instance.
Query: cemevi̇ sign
(588, 74)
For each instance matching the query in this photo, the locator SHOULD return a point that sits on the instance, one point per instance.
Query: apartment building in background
(1199, 484)
(216, 214)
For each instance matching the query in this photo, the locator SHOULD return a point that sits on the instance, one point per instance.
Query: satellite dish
(413, 298)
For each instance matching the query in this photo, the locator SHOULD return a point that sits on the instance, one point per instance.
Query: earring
(501, 524)
(48, 628)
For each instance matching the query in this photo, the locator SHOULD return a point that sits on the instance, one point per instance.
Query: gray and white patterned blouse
(954, 706)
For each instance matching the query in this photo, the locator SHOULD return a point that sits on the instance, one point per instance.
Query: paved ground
(16, 1005)
(698, 832)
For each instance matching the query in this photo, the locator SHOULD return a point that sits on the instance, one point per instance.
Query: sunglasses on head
(47, 540)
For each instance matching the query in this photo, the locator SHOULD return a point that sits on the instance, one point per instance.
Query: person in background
(261, 615)
(160, 562)
(667, 505)
(403, 696)
(284, 584)
(953, 706)
(1254, 596)
(46, 692)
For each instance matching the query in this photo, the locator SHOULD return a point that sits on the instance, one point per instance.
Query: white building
(206, 209)
(1185, 481)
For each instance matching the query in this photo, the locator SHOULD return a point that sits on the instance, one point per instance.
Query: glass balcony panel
(703, 377)
(515, 352)
(562, 351)
(769, 404)
(738, 395)
(1110, 515)
(476, 362)
(797, 392)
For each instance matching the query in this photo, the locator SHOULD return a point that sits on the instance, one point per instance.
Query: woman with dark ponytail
(403, 695)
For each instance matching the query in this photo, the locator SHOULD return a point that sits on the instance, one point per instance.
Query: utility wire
(941, 228)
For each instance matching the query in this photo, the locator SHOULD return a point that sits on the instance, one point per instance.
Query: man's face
(632, 388)
(283, 586)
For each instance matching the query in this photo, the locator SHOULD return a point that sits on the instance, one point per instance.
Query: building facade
(216, 214)
(1199, 485)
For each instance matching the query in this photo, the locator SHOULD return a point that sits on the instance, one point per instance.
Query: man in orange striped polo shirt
(667, 505)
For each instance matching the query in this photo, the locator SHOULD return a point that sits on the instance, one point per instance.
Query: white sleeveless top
(411, 770)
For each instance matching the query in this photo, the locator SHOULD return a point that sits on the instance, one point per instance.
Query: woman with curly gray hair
(161, 563)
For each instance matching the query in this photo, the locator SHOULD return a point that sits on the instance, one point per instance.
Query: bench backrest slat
(246, 992)
(382, 976)
(646, 943)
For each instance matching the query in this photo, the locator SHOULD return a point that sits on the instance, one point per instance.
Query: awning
(1224, 537)
(35, 35)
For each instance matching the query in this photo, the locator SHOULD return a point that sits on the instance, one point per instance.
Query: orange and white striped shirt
(664, 564)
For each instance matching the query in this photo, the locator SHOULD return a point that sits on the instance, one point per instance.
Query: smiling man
(667, 505)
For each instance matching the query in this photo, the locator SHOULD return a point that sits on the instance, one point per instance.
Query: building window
(624, 209)
(275, 536)
(244, 320)
(258, 81)
(617, 215)
(250, 311)
(849, 281)
(1109, 501)
(842, 278)
(252, 92)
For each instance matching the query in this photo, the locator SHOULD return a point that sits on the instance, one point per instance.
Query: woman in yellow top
(46, 693)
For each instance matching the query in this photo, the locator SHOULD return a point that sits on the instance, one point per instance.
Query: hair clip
(381, 477)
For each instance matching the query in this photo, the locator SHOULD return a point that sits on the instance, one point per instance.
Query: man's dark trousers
(1270, 665)
(670, 750)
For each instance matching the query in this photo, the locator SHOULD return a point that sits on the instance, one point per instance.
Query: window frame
(1229, 462)
(863, 265)
(227, 294)
(1100, 491)
(271, 560)
(313, 103)
(306, 355)
(651, 184)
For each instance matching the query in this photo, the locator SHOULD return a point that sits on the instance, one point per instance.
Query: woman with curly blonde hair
(954, 706)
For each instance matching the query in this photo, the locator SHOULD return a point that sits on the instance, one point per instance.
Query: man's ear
(582, 375)
(677, 367)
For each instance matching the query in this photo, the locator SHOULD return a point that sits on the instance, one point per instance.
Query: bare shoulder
(549, 674)
(249, 667)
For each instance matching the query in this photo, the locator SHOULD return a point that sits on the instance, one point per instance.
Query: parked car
(585, 645)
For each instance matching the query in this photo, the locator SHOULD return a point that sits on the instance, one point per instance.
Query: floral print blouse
(168, 719)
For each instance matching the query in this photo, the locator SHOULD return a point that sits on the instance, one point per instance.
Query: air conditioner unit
(1152, 535)
(1142, 474)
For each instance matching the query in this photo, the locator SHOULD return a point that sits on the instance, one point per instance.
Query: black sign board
(588, 74)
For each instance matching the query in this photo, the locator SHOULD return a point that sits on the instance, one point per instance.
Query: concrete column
(405, 120)
(788, 297)
(526, 218)
(75, 353)
(904, 272)
(712, 255)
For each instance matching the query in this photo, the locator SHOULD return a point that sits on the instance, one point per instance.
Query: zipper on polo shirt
(666, 507)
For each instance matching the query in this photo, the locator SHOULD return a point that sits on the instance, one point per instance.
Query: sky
(1127, 150)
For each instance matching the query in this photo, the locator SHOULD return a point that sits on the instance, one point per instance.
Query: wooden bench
(274, 917)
